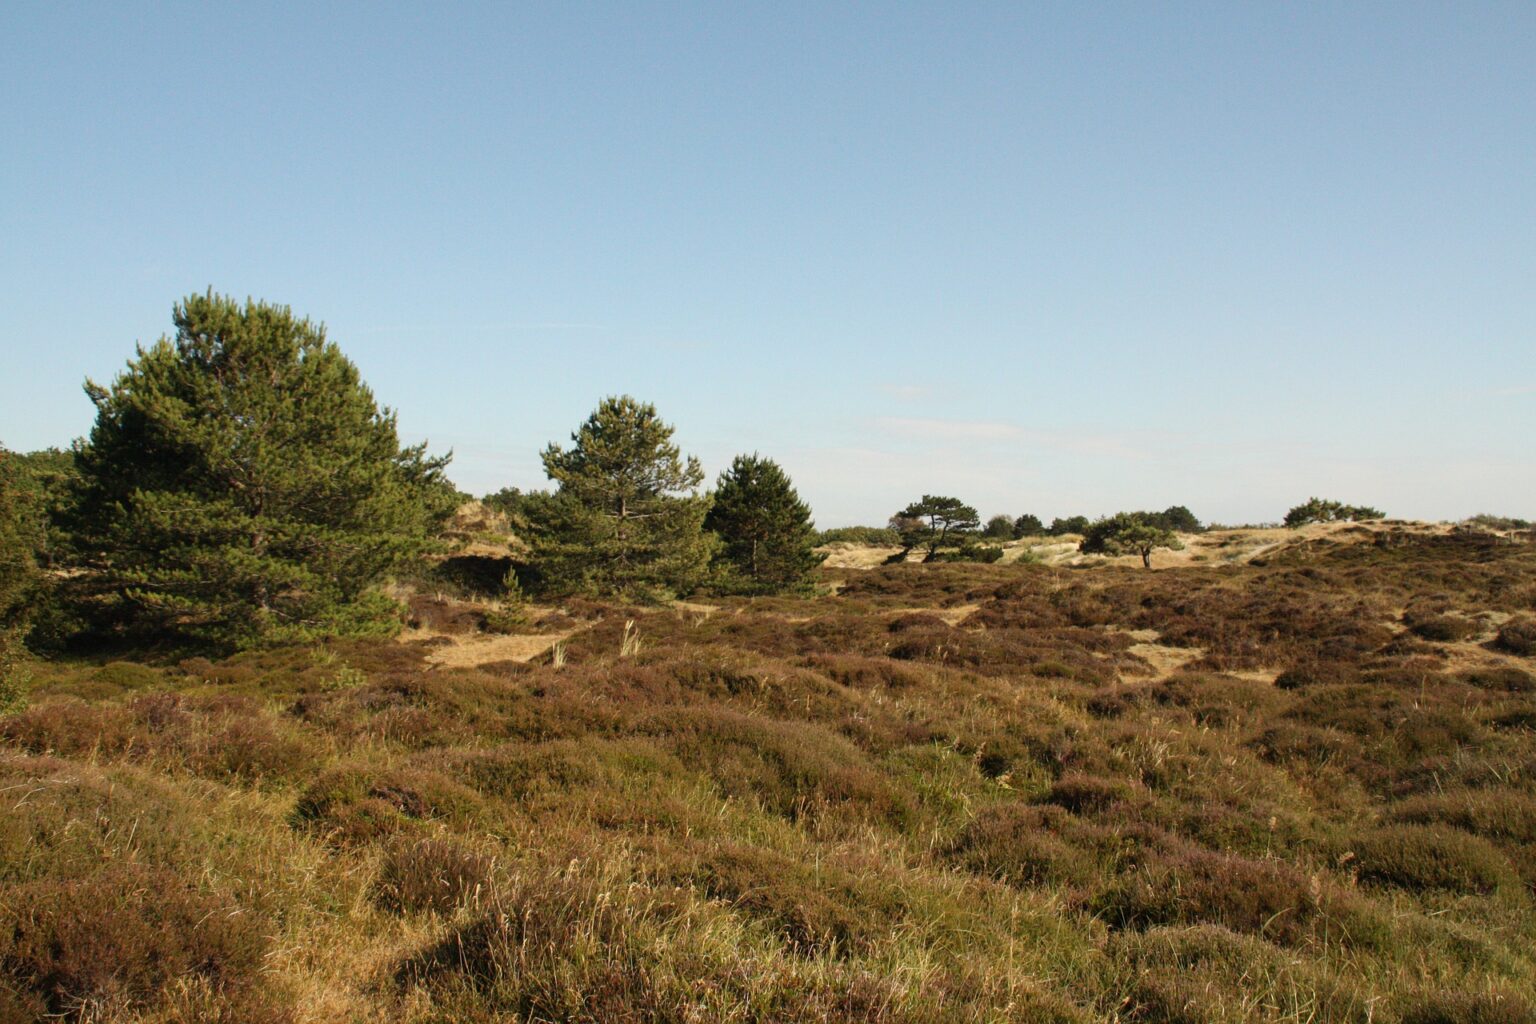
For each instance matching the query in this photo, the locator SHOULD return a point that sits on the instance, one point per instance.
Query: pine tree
(934, 520)
(765, 529)
(241, 486)
(1129, 533)
(20, 534)
(627, 519)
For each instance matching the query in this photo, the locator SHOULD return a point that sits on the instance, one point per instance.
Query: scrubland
(1298, 787)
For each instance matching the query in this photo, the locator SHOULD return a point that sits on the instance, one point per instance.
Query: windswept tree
(1319, 510)
(933, 521)
(1127, 533)
(765, 529)
(627, 518)
(241, 486)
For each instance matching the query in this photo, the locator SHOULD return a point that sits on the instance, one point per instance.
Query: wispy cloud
(905, 392)
(507, 328)
(1519, 389)
(948, 430)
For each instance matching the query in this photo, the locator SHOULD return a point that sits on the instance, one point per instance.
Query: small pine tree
(1069, 524)
(933, 520)
(1129, 533)
(627, 519)
(765, 529)
(999, 527)
(1027, 525)
(242, 487)
(1320, 510)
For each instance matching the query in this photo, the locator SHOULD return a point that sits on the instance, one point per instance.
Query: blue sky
(1053, 258)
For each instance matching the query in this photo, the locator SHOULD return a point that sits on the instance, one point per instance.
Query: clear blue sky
(1055, 258)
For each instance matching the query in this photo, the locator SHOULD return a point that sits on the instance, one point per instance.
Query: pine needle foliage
(765, 529)
(19, 536)
(242, 487)
(627, 518)
(1126, 533)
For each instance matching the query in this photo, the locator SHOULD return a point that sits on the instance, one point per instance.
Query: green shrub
(871, 536)
(1418, 857)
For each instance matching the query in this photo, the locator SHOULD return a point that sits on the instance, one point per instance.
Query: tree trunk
(1146, 558)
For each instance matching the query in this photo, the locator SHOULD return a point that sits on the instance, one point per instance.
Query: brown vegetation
(947, 793)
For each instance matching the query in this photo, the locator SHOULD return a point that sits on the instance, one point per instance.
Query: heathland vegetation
(290, 730)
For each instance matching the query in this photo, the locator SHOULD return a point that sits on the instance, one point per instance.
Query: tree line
(241, 486)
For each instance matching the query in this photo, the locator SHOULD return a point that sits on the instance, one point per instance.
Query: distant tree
(765, 529)
(508, 502)
(1179, 519)
(877, 536)
(998, 528)
(1027, 526)
(241, 486)
(1319, 510)
(627, 519)
(932, 520)
(1128, 533)
(1071, 524)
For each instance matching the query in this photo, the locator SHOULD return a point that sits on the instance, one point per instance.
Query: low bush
(123, 940)
(1518, 636)
(435, 875)
(1418, 857)
(871, 536)
(1266, 898)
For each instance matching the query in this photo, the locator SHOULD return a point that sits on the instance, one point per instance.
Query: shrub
(1259, 897)
(1518, 636)
(1082, 793)
(1444, 628)
(1028, 846)
(871, 536)
(1418, 857)
(429, 874)
(119, 941)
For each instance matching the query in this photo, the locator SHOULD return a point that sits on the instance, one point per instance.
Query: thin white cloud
(1523, 389)
(905, 392)
(551, 325)
(947, 430)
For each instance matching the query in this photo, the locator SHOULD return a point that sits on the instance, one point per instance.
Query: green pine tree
(20, 536)
(627, 519)
(241, 486)
(1127, 533)
(765, 529)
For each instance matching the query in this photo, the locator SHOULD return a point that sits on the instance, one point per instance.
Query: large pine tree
(241, 485)
(627, 519)
(765, 529)
(20, 533)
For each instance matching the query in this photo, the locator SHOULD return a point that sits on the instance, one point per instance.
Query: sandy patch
(478, 649)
